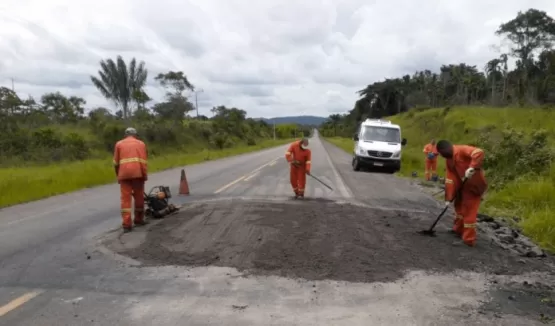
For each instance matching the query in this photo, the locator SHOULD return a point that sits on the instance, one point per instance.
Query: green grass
(347, 144)
(19, 185)
(532, 198)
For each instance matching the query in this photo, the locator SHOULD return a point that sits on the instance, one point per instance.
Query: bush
(513, 155)
(220, 140)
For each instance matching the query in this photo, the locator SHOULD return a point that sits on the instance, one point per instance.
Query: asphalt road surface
(242, 252)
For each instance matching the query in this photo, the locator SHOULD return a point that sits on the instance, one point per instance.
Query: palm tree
(504, 59)
(492, 68)
(120, 83)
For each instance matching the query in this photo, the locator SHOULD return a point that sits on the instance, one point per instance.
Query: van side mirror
(403, 142)
(355, 137)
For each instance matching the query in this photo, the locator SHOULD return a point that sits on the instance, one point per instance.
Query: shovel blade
(429, 233)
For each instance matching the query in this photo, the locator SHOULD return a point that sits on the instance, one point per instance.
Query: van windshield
(383, 134)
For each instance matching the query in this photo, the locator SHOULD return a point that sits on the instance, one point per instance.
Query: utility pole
(274, 130)
(196, 99)
(13, 88)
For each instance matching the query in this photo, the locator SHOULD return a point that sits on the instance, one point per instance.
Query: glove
(447, 203)
(296, 163)
(469, 173)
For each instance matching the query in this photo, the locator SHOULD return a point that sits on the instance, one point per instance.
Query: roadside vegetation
(57, 144)
(510, 113)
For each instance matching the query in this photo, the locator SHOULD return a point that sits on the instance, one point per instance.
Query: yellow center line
(248, 175)
(17, 302)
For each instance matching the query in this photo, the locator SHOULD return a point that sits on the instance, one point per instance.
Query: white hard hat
(130, 131)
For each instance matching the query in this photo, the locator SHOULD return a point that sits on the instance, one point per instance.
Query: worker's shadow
(313, 200)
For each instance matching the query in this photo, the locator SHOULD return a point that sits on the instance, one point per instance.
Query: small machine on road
(157, 202)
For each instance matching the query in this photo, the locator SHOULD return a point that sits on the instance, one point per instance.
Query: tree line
(57, 128)
(530, 37)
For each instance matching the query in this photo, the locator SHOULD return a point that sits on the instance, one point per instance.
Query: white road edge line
(343, 189)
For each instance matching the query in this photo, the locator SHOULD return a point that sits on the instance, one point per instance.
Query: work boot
(141, 223)
(453, 232)
(127, 230)
(460, 243)
(301, 196)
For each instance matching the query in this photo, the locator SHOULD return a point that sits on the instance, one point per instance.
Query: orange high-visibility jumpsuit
(130, 160)
(298, 174)
(431, 164)
(467, 203)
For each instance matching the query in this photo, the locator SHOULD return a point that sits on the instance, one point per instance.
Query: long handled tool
(431, 232)
(322, 182)
(439, 192)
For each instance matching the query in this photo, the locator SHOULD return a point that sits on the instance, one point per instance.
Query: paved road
(51, 272)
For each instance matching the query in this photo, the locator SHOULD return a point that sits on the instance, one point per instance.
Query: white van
(378, 144)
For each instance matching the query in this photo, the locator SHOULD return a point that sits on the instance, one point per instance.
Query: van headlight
(396, 154)
(361, 151)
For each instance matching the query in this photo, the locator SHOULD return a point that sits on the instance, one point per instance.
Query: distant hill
(301, 120)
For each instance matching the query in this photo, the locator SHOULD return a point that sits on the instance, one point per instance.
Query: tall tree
(528, 32)
(177, 104)
(62, 109)
(119, 83)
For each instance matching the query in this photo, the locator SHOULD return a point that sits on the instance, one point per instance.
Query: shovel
(439, 192)
(431, 232)
(322, 182)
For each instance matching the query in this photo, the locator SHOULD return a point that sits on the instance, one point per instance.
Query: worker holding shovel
(430, 169)
(299, 156)
(464, 162)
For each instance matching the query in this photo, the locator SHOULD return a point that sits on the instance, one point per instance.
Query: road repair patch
(314, 240)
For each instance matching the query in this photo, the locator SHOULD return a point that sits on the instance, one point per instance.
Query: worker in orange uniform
(130, 162)
(299, 156)
(431, 159)
(464, 162)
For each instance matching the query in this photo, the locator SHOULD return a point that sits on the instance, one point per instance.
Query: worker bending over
(298, 155)
(464, 162)
(130, 162)
(431, 159)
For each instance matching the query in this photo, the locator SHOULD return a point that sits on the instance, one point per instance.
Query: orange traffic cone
(183, 184)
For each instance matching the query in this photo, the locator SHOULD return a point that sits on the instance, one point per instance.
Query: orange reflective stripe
(470, 225)
(308, 162)
(132, 160)
(448, 181)
(126, 210)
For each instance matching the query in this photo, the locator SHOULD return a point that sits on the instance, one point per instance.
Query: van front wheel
(356, 164)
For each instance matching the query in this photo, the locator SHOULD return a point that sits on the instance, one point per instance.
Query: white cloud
(268, 57)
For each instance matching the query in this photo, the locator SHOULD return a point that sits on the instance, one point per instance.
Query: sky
(270, 58)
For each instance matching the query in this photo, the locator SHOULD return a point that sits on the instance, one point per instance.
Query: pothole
(318, 239)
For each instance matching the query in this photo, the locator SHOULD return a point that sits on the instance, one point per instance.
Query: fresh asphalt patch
(326, 240)
(314, 240)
